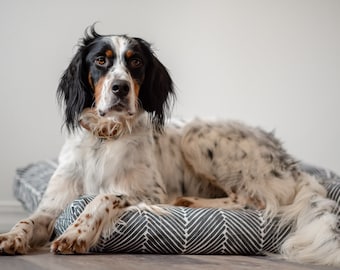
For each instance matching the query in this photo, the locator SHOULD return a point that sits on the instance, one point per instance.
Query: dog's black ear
(157, 91)
(74, 91)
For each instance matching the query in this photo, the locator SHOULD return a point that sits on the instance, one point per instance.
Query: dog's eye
(100, 61)
(135, 62)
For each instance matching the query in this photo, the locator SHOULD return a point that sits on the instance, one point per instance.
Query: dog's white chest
(107, 165)
(103, 162)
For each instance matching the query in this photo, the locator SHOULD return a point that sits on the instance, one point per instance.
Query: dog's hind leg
(252, 164)
(248, 164)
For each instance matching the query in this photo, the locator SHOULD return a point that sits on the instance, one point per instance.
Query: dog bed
(183, 230)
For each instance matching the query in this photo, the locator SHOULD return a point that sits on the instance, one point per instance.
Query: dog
(116, 96)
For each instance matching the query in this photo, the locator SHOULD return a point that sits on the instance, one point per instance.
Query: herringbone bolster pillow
(182, 231)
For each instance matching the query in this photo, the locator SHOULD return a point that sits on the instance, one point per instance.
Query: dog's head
(116, 76)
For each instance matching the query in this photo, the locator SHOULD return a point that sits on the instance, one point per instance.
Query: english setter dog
(115, 95)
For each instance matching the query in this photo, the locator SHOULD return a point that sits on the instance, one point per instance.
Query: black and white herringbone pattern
(31, 182)
(183, 230)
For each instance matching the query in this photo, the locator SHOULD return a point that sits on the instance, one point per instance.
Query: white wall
(275, 64)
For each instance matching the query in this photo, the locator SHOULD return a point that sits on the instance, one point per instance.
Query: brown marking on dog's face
(128, 54)
(98, 89)
(109, 53)
(88, 216)
(109, 60)
(136, 87)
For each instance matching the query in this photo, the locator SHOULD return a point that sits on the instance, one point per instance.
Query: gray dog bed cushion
(182, 231)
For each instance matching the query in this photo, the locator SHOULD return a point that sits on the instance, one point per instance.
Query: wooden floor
(45, 260)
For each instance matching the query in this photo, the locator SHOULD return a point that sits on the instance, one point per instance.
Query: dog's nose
(121, 88)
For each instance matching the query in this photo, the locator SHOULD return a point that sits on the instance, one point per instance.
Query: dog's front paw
(13, 243)
(70, 244)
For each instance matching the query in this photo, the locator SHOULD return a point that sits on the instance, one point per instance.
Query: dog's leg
(197, 202)
(245, 163)
(97, 216)
(37, 229)
(253, 164)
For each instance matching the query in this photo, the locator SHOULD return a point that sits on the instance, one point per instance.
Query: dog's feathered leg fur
(251, 165)
(315, 237)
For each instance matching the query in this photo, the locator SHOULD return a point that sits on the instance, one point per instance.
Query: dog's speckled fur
(115, 95)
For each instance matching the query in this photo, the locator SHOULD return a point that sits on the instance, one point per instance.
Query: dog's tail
(315, 236)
